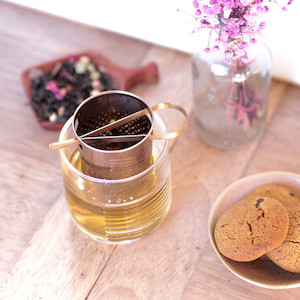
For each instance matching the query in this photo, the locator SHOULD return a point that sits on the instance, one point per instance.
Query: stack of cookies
(264, 224)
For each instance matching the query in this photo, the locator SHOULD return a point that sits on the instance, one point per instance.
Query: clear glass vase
(231, 97)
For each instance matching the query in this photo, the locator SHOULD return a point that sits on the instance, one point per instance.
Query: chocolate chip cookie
(278, 192)
(287, 255)
(251, 228)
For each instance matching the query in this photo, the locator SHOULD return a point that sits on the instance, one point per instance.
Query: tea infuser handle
(62, 144)
(170, 135)
(75, 141)
(122, 121)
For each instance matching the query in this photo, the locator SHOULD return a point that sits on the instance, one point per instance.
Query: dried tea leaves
(57, 93)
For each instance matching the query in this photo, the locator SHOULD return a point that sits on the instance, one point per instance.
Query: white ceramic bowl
(260, 272)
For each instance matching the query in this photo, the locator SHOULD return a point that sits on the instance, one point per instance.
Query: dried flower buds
(57, 93)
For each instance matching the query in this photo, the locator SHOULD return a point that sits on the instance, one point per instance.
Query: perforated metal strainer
(115, 158)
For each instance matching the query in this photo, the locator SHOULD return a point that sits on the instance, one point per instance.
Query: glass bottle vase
(231, 96)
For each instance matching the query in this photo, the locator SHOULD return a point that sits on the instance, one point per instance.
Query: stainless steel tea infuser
(114, 131)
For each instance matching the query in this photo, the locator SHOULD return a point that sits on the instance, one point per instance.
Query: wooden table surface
(44, 256)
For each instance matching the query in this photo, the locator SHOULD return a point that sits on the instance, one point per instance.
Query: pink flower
(72, 58)
(244, 45)
(62, 91)
(59, 93)
(198, 12)
(260, 9)
(52, 86)
(196, 4)
(239, 52)
(59, 97)
(216, 48)
(228, 53)
(262, 25)
(246, 2)
(245, 59)
(233, 21)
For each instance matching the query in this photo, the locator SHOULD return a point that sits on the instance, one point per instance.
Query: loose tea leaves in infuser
(57, 93)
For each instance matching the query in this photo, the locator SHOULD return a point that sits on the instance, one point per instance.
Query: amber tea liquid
(116, 211)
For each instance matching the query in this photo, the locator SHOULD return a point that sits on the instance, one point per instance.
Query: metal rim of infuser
(113, 160)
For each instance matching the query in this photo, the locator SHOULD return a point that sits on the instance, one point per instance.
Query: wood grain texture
(176, 265)
(273, 152)
(60, 262)
(211, 280)
(33, 181)
(44, 256)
